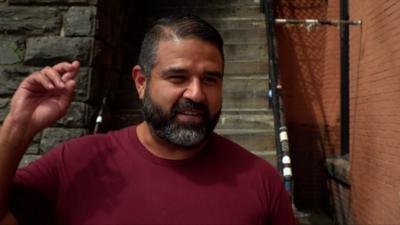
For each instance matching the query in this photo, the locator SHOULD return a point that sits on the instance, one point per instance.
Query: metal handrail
(281, 136)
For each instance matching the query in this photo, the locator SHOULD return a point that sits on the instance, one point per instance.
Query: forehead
(188, 49)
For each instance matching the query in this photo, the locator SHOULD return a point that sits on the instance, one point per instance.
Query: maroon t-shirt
(113, 179)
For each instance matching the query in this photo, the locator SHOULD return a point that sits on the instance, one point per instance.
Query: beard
(165, 125)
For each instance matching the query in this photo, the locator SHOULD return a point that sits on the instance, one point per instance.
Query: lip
(191, 116)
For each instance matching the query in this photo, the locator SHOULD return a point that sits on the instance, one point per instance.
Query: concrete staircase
(246, 118)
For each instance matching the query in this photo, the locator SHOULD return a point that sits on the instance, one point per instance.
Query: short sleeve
(281, 211)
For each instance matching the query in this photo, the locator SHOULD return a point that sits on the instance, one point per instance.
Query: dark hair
(178, 26)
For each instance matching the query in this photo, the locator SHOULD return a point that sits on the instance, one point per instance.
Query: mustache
(187, 104)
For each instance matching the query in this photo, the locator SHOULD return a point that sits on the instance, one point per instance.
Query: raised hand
(44, 96)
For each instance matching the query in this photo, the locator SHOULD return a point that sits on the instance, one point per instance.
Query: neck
(162, 148)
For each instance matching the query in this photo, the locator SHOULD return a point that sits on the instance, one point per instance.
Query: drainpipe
(344, 78)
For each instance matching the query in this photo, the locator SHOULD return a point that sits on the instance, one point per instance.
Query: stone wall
(103, 35)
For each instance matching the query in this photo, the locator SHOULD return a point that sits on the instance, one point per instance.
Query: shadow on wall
(302, 65)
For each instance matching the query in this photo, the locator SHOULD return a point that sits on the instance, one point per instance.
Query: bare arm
(40, 100)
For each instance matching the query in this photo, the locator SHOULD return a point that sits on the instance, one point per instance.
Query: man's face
(182, 100)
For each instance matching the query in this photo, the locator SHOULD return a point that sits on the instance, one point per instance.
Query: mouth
(190, 116)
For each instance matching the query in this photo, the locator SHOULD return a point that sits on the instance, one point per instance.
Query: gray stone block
(75, 116)
(10, 77)
(79, 21)
(26, 159)
(4, 108)
(29, 20)
(12, 50)
(245, 92)
(244, 35)
(242, 67)
(60, 2)
(256, 21)
(83, 85)
(202, 3)
(251, 139)
(245, 51)
(42, 51)
(205, 10)
(33, 148)
(246, 120)
(54, 136)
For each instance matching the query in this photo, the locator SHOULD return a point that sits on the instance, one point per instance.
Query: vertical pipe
(273, 77)
(344, 78)
(281, 136)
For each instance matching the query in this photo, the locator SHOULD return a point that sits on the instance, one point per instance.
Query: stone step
(257, 22)
(230, 118)
(246, 140)
(241, 51)
(245, 92)
(246, 120)
(205, 10)
(251, 139)
(199, 3)
(243, 67)
(248, 91)
(244, 35)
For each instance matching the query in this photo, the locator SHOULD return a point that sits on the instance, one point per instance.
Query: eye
(176, 78)
(210, 80)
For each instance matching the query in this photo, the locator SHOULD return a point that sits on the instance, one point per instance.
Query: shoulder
(86, 148)
(234, 153)
(257, 171)
(232, 149)
(99, 141)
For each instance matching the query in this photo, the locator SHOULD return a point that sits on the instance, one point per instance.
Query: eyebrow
(173, 71)
(177, 70)
(215, 74)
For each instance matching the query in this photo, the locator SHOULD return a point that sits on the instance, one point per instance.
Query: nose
(194, 91)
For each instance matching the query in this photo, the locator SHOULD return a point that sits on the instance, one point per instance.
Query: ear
(140, 80)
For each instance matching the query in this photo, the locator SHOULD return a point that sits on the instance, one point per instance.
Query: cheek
(166, 96)
(214, 101)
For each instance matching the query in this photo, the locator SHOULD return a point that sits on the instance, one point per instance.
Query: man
(170, 169)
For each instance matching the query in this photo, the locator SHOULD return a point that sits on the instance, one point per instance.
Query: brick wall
(310, 95)
(310, 75)
(104, 37)
(374, 112)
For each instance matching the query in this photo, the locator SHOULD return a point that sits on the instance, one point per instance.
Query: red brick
(311, 74)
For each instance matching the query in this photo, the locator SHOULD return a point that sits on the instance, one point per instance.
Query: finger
(64, 67)
(71, 74)
(68, 76)
(76, 65)
(39, 78)
(54, 76)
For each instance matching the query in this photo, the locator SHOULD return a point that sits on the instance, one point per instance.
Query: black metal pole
(273, 73)
(344, 78)
(281, 134)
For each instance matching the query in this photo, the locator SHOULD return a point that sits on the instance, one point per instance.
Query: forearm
(14, 140)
